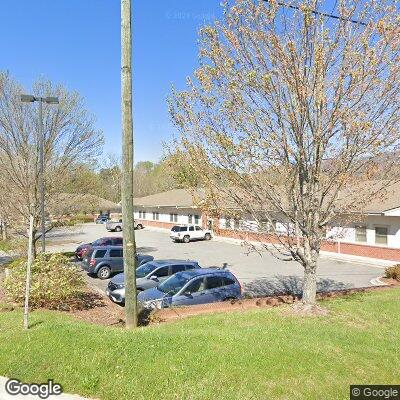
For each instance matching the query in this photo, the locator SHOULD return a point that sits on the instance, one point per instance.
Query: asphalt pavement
(259, 273)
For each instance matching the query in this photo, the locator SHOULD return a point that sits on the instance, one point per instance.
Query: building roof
(180, 198)
(386, 201)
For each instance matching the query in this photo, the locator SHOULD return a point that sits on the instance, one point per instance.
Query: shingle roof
(171, 198)
(389, 199)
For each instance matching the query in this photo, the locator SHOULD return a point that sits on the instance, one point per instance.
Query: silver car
(148, 275)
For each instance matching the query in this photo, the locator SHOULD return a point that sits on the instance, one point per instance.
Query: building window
(361, 234)
(190, 219)
(173, 217)
(156, 216)
(196, 219)
(381, 235)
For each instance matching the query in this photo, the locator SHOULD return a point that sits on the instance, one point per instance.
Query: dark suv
(148, 275)
(84, 248)
(104, 261)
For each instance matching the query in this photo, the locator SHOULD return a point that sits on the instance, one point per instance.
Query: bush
(81, 219)
(13, 245)
(393, 272)
(55, 281)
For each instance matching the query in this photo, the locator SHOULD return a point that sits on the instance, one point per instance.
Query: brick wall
(155, 224)
(384, 253)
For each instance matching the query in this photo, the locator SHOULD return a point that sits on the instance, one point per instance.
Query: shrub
(393, 272)
(13, 245)
(82, 219)
(55, 281)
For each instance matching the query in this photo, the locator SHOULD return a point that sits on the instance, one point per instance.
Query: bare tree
(70, 139)
(294, 115)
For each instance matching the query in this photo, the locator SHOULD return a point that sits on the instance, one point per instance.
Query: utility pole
(127, 167)
(27, 98)
(41, 178)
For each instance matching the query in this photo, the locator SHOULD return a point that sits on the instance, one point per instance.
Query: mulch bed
(173, 314)
(96, 308)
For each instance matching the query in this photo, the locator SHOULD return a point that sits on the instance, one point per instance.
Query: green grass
(262, 354)
(11, 244)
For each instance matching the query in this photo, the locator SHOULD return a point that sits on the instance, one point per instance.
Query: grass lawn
(262, 354)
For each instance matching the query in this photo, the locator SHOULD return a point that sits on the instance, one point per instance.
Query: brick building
(375, 234)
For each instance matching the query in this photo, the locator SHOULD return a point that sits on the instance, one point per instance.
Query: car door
(117, 260)
(193, 293)
(199, 233)
(215, 288)
(117, 242)
(160, 274)
(192, 232)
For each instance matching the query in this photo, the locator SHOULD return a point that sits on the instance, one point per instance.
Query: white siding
(348, 232)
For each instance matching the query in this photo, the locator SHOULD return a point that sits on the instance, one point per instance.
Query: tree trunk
(310, 285)
(4, 230)
(127, 167)
(28, 273)
(32, 244)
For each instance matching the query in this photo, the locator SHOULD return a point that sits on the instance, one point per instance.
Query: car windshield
(97, 242)
(174, 284)
(145, 269)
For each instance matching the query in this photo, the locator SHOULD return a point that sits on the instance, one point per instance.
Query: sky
(77, 43)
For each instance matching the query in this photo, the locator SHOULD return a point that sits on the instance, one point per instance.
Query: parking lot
(258, 273)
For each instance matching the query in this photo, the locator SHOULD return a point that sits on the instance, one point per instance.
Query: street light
(26, 98)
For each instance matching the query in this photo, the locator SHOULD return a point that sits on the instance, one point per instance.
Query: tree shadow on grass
(292, 284)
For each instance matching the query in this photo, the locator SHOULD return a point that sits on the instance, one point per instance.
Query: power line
(354, 21)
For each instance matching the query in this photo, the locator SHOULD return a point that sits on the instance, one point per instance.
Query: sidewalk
(5, 396)
(374, 262)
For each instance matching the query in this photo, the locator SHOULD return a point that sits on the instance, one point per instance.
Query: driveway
(259, 273)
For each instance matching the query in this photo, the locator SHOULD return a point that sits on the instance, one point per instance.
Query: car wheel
(186, 239)
(104, 272)
(118, 229)
(139, 226)
(207, 236)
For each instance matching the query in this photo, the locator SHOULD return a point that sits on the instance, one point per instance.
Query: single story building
(376, 233)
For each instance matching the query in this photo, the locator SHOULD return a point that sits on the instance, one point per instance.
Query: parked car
(186, 233)
(105, 261)
(101, 219)
(116, 226)
(82, 249)
(148, 275)
(200, 286)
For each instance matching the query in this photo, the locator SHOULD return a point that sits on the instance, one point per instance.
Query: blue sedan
(199, 286)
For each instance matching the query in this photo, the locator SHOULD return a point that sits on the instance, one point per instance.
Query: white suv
(186, 233)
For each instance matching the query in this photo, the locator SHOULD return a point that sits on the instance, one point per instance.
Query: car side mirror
(188, 294)
(153, 278)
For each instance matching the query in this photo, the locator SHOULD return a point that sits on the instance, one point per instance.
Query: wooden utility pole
(28, 273)
(127, 166)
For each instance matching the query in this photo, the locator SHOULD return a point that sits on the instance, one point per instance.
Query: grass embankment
(262, 354)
